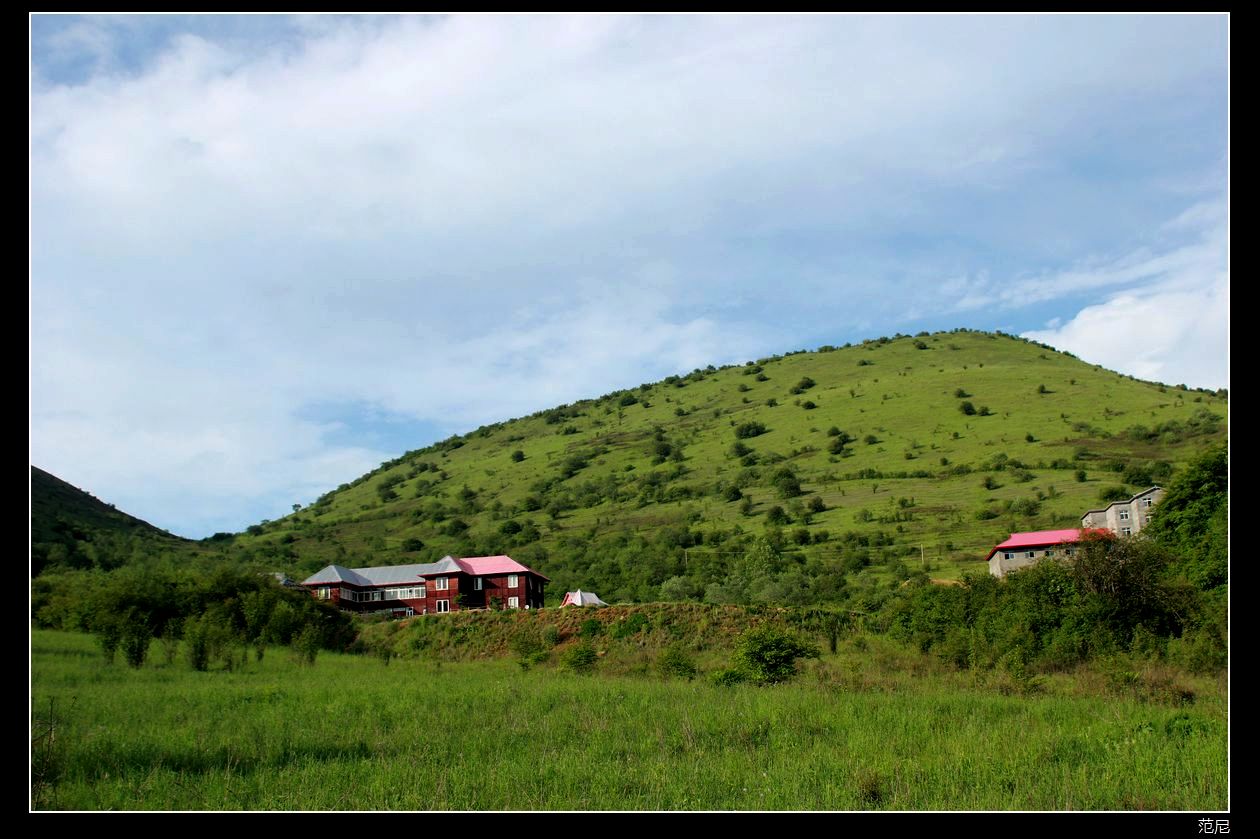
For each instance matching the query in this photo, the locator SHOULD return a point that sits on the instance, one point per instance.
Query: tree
(518, 456)
(1192, 519)
(967, 408)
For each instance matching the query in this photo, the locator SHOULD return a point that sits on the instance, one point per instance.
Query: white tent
(582, 598)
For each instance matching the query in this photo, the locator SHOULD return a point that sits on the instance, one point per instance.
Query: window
(1125, 531)
(323, 592)
(514, 603)
(1146, 502)
(478, 584)
(442, 584)
(1124, 515)
(513, 581)
(444, 606)
(1031, 554)
(1009, 555)
(1071, 551)
(1049, 552)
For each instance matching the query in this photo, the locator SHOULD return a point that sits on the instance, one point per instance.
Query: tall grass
(859, 730)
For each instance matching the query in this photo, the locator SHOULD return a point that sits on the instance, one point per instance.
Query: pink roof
(1041, 538)
(482, 565)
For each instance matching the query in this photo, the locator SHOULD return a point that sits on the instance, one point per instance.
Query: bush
(967, 408)
(579, 658)
(529, 647)
(591, 628)
(674, 661)
(730, 676)
(136, 636)
(749, 429)
(768, 655)
(306, 645)
(518, 456)
(1113, 493)
(629, 626)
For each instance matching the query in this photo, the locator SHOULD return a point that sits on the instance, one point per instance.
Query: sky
(268, 253)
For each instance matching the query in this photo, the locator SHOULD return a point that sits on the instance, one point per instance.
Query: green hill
(853, 464)
(72, 529)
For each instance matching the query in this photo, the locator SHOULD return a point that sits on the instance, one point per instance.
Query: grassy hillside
(57, 507)
(72, 529)
(859, 463)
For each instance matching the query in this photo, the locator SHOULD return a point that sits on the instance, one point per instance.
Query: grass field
(871, 727)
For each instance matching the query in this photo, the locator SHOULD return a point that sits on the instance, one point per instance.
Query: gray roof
(382, 575)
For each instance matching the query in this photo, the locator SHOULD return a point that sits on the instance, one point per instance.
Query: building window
(478, 584)
(513, 581)
(444, 606)
(1125, 531)
(1124, 515)
(1009, 555)
(1049, 552)
(1146, 502)
(514, 603)
(442, 584)
(323, 592)
(1031, 554)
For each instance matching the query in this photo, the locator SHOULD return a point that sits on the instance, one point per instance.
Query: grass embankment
(872, 727)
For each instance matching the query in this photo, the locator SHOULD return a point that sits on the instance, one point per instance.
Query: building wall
(528, 590)
(1000, 566)
(1133, 514)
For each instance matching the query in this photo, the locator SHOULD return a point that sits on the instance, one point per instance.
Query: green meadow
(873, 726)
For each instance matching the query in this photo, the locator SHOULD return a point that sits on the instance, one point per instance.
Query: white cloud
(1171, 322)
(464, 219)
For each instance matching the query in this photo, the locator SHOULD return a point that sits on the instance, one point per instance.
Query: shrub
(579, 658)
(518, 456)
(197, 644)
(674, 661)
(136, 636)
(591, 628)
(961, 394)
(967, 408)
(629, 626)
(749, 429)
(1113, 493)
(306, 645)
(768, 655)
(528, 647)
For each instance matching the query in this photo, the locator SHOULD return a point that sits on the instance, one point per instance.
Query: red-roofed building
(1024, 549)
(448, 585)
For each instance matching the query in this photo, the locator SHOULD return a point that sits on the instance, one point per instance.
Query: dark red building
(448, 585)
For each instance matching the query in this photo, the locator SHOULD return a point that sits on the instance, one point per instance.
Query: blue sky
(269, 252)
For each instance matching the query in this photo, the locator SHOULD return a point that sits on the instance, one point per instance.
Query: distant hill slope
(65, 519)
(849, 465)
